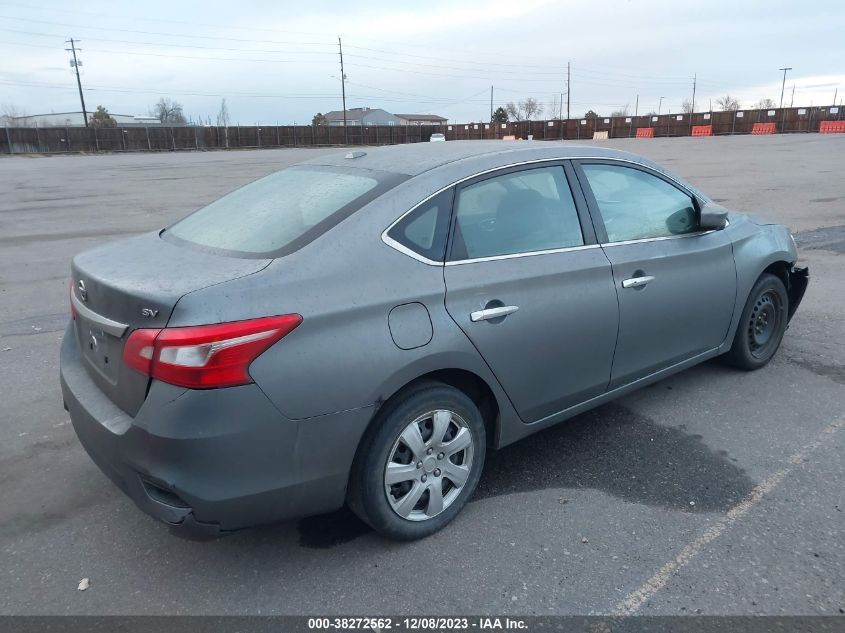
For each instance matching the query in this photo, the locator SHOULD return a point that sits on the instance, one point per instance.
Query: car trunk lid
(133, 284)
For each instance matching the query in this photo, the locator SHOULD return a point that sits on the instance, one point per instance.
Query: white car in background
(437, 138)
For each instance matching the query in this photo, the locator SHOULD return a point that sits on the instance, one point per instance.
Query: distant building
(362, 116)
(75, 119)
(377, 116)
(421, 119)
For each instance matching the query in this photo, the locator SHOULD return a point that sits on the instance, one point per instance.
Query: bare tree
(727, 103)
(10, 111)
(513, 112)
(554, 108)
(223, 115)
(524, 110)
(169, 112)
(623, 111)
(764, 104)
(686, 106)
(533, 108)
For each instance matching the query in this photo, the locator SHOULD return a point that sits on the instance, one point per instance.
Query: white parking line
(632, 603)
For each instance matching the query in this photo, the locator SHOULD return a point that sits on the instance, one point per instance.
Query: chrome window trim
(405, 250)
(430, 262)
(657, 239)
(665, 237)
(492, 258)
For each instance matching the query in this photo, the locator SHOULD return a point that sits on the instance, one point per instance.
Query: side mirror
(713, 217)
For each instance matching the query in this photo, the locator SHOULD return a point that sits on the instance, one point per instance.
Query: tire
(403, 505)
(761, 326)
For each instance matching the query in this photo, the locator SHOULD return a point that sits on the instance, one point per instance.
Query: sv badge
(149, 312)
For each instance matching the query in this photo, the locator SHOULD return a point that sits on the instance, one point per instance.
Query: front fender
(755, 248)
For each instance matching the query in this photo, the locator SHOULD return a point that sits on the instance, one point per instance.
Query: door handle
(636, 282)
(492, 313)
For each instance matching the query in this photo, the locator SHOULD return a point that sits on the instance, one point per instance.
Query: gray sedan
(363, 328)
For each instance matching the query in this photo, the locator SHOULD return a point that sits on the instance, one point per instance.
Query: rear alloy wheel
(762, 324)
(429, 465)
(419, 463)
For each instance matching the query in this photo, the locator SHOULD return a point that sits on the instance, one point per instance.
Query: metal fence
(48, 140)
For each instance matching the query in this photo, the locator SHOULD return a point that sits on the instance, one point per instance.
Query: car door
(529, 286)
(676, 283)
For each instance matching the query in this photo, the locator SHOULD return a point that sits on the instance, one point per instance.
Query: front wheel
(419, 463)
(762, 324)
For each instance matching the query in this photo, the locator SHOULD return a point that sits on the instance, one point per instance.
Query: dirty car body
(512, 275)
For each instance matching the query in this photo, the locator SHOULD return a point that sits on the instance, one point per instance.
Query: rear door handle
(492, 313)
(636, 282)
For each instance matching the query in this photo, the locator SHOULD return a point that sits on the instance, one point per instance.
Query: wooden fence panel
(80, 139)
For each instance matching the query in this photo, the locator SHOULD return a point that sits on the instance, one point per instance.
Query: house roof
(336, 115)
(421, 117)
(30, 116)
(351, 113)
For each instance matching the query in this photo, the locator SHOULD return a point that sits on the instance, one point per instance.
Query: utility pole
(692, 107)
(694, 79)
(637, 106)
(491, 104)
(783, 85)
(560, 106)
(792, 99)
(343, 91)
(76, 63)
(835, 93)
(568, 89)
(660, 104)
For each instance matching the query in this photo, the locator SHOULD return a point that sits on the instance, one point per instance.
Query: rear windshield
(281, 212)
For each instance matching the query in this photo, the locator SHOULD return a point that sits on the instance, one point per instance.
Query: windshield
(281, 212)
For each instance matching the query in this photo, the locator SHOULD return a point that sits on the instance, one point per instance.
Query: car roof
(416, 158)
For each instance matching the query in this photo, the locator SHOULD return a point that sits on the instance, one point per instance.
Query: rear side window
(637, 205)
(518, 212)
(425, 229)
(281, 212)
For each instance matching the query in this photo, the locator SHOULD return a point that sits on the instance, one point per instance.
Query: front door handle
(636, 282)
(492, 313)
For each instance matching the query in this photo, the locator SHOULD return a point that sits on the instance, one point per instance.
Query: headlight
(794, 243)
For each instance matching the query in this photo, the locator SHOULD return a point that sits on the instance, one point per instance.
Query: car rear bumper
(212, 461)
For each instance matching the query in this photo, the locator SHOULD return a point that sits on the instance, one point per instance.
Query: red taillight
(70, 295)
(205, 356)
(139, 349)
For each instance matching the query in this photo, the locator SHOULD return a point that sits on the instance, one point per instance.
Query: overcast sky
(277, 61)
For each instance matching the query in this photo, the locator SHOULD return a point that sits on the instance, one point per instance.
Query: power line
(176, 35)
(120, 89)
(146, 18)
(486, 63)
(169, 45)
(250, 29)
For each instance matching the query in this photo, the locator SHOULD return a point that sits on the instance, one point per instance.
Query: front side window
(518, 212)
(636, 205)
(280, 212)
